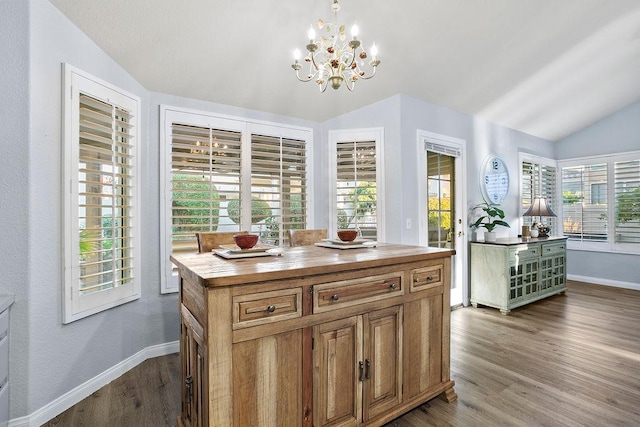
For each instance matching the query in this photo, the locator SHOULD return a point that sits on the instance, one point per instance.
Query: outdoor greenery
(260, 210)
(628, 206)
(362, 199)
(193, 203)
(439, 208)
(570, 198)
(490, 219)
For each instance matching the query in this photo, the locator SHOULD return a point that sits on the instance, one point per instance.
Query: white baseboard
(64, 402)
(605, 282)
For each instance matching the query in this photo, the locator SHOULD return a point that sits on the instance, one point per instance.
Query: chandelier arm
(372, 74)
(303, 80)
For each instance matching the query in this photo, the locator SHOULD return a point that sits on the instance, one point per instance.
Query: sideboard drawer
(266, 307)
(427, 277)
(523, 252)
(553, 248)
(345, 293)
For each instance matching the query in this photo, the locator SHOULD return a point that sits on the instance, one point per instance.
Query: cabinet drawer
(266, 307)
(524, 252)
(334, 295)
(553, 248)
(427, 277)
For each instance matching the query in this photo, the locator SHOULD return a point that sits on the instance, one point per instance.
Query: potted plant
(492, 217)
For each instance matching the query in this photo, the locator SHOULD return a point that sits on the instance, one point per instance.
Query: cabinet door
(193, 353)
(267, 381)
(422, 344)
(337, 372)
(382, 340)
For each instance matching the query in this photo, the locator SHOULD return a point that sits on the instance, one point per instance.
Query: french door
(442, 203)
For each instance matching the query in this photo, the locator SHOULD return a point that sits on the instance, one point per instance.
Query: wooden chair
(306, 237)
(213, 239)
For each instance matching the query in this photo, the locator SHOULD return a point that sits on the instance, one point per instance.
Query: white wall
(618, 133)
(14, 175)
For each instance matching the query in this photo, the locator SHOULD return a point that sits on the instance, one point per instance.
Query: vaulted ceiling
(544, 67)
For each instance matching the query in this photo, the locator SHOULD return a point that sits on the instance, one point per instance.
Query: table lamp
(540, 208)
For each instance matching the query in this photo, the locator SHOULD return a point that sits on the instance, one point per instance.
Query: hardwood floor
(569, 360)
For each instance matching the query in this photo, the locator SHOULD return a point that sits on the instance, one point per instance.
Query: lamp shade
(539, 207)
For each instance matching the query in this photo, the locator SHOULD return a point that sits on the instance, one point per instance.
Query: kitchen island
(314, 336)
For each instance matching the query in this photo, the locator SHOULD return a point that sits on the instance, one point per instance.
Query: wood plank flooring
(569, 360)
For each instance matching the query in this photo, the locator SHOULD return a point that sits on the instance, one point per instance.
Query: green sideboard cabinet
(512, 272)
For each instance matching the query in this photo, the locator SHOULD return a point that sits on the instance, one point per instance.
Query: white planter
(490, 236)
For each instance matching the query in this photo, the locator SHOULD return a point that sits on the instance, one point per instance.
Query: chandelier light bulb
(312, 34)
(374, 51)
(296, 54)
(354, 31)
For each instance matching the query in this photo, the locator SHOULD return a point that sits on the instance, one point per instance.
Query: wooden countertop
(211, 270)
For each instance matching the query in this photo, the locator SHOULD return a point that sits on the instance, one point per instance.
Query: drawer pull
(271, 308)
(393, 286)
(429, 278)
(335, 297)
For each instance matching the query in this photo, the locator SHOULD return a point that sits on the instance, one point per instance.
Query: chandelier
(333, 59)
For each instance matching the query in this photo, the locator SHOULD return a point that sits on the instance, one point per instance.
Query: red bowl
(347, 235)
(245, 241)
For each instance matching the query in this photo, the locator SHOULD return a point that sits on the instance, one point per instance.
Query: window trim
(609, 245)
(366, 134)
(171, 114)
(76, 307)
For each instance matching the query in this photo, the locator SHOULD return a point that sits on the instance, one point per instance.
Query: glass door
(442, 209)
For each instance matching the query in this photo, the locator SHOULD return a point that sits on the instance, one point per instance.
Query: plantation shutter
(539, 179)
(278, 187)
(105, 202)
(205, 182)
(584, 205)
(627, 201)
(357, 187)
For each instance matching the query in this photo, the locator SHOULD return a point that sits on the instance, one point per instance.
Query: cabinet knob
(271, 308)
(393, 286)
(335, 297)
(429, 278)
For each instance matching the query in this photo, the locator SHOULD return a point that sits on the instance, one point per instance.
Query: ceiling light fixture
(333, 59)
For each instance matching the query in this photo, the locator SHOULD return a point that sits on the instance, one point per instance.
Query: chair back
(213, 239)
(306, 237)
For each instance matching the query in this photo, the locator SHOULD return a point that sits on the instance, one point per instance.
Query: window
(601, 202)
(538, 178)
(229, 174)
(102, 245)
(357, 176)
(584, 202)
(278, 187)
(205, 183)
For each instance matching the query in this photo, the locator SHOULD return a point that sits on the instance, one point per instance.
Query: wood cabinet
(357, 367)
(316, 336)
(514, 272)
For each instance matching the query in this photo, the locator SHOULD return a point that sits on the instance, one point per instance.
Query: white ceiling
(544, 67)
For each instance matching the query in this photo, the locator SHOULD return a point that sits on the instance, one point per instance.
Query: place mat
(342, 242)
(260, 247)
(359, 245)
(227, 254)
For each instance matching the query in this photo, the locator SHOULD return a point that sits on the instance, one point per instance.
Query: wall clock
(494, 180)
